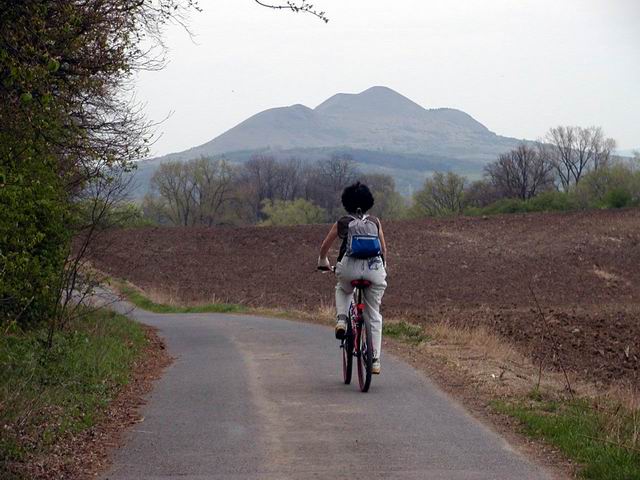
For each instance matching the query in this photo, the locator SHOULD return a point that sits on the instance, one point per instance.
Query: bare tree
(332, 176)
(480, 194)
(574, 151)
(521, 173)
(289, 185)
(191, 193)
(213, 189)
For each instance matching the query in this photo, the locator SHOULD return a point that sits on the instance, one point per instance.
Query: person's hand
(323, 263)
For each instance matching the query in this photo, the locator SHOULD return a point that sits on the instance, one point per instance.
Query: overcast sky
(517, 66)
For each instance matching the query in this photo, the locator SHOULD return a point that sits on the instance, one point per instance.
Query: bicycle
(357, 342)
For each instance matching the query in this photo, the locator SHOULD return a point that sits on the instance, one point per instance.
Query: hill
(383, 130)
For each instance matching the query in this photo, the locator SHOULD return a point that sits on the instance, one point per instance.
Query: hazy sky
(517, 66)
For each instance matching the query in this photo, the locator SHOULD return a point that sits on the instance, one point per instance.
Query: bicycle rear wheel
(347, 354)
(365, 355)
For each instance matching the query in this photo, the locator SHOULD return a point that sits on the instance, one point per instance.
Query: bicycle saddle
(360, 283)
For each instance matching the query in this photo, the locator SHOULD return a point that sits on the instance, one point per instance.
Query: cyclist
(357, 200)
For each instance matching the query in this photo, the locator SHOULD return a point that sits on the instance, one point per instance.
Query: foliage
(33, 238)
(389, 204)
(613, 186)
(442, 194)
(544, 202)
(617, 197)
(581, 433)
(50, 394)
(67, 132)
(294, 212)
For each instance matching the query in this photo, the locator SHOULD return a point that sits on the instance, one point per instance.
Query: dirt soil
(581, 266)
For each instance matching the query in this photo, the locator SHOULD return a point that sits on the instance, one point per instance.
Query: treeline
(570, 168)
(263, 190)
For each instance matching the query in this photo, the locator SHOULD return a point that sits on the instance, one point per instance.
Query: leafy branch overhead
(297, 7)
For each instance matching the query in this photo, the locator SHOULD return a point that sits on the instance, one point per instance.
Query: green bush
(296, 212)
(544, 202)
(34, 239)
(604, 187)
(506, 205)
(617, 198)
(552, 201)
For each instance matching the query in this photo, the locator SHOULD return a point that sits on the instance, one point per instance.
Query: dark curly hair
(357, 196)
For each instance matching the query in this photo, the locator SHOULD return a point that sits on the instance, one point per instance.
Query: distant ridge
(378, 120)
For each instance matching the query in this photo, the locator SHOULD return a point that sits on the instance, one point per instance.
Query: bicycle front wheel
(365, 356)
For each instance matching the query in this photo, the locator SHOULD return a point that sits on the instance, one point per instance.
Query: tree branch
(295, 7)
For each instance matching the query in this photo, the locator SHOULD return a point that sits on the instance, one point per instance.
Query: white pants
(349, 269)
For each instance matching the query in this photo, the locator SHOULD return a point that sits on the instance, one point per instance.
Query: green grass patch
(582, 433)
(404, 331)
(46, 394)
(141, 301)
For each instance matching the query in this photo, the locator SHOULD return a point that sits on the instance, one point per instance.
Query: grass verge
(583, 432)
(405, 332)
(47, 395)
(140, 300)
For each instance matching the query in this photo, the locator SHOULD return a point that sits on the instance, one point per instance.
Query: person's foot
(341, 327)
(375, 366)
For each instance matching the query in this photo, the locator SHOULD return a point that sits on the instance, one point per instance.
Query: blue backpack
(363, 240)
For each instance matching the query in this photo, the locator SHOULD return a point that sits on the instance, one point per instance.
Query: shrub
(552, 201)
(295, 212)
(33, 239)
(441, 195)
(594, 190)
(617, 198)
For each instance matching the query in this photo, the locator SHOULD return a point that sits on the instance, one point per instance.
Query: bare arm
(328, 241)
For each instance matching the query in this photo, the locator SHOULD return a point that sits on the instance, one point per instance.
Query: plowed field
(583, 268)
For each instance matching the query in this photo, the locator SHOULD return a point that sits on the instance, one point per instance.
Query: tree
(389, 203)
(191, 193)
(68, 132)
(264, 177)
(442, 194)
(574, 151)
(213, 180)
(480, 193)
(325, 182)
(521, 173)
(292, 212)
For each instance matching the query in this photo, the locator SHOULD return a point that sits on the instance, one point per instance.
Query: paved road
(262, 398)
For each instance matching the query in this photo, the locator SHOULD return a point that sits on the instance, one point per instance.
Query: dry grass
(621, 406)
(494, 364)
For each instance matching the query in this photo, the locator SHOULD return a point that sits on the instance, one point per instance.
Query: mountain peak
(377, 100)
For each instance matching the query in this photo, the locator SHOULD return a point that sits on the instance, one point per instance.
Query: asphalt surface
(263, 398)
